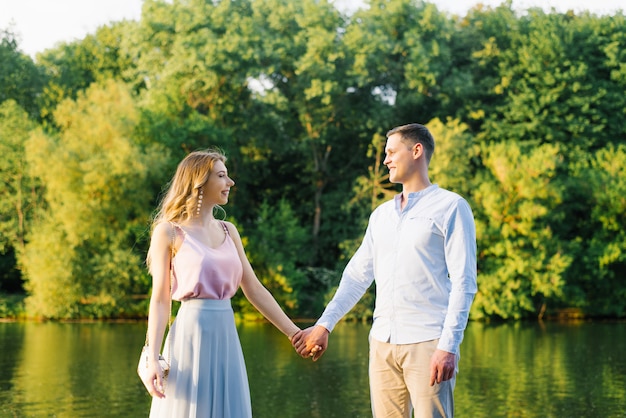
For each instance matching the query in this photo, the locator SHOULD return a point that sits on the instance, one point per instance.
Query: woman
(207, 376)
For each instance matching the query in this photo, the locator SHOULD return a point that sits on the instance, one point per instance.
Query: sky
(41, 24)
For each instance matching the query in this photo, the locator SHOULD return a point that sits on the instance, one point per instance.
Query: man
(420, 248)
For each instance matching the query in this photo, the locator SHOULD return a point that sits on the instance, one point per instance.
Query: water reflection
(507, 370)
(543, 370)
(285, 385)
(69, 370)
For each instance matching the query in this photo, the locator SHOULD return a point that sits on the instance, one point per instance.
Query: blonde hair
(181, 197)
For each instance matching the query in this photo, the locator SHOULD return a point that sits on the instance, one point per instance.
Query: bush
(12, 306)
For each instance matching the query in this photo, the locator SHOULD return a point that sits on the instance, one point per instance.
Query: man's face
(399, 159)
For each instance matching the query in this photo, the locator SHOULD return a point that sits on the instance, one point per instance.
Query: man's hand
(442, 366)
(311, 342)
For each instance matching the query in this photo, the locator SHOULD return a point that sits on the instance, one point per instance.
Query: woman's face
(218, 185)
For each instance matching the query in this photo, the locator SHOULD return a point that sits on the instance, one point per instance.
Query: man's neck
(413, 188)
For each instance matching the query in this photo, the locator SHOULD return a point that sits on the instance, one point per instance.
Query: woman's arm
(258, 295)
(159, 311)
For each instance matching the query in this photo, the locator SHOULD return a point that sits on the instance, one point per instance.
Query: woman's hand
(155, 380)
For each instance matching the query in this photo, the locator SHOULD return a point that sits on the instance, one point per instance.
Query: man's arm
(356, 279)
(460, 250)
(461, 263)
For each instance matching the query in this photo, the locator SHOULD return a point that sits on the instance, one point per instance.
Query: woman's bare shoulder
(163, 229)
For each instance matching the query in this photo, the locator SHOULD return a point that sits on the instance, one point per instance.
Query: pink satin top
(203, 272)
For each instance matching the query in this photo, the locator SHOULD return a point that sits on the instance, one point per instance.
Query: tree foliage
(523, 261)
(527, 110)
(79, 259)
(19, 198)
(18, 189)
(21, 79)
(278, 250)
(73, 67)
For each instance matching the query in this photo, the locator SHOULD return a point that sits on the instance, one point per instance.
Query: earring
(199, 206)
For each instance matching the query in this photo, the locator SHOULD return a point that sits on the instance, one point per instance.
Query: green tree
(607, 249)
(79, 259)
(72, 67)
(265, 81)
(560, 77)
(521, 262)
(595, 278)
(402, 56)
(303, 67)
(527, 112)
(191, 62)
(374, 188)
(277, 247)
(470, 86)
(454, 162)
(20, 78)
(18, 191)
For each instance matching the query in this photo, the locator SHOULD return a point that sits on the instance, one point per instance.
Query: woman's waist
(207, 304)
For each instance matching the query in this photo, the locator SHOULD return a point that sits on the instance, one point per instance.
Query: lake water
(507, 370)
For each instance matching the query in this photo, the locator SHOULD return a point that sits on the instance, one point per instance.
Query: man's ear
(418, 150)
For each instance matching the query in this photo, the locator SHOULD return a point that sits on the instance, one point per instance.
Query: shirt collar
(413, 197)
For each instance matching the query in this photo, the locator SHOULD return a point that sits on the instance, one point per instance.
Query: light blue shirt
(423, 259)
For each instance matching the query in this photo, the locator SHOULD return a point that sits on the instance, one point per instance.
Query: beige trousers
(399, 382)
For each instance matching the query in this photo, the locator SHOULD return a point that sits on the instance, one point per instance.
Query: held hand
(295, 336)
(442, 366)
(301, 343)
(298, 341)
(312, 342)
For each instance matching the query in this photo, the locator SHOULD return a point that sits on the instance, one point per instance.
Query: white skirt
(207, 376)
